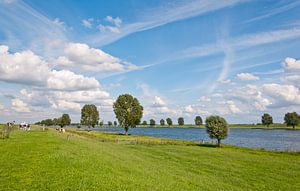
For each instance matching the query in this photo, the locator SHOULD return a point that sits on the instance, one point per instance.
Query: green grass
(48, 160)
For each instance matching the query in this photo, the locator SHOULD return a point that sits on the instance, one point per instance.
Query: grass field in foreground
(47, 160)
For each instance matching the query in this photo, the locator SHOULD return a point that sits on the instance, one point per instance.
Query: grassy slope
(48, 161)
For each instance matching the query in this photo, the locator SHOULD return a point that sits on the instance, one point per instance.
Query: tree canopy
(64, 120)
(217, 128)
(198, 120)
(128, 111)
(266, 119)
(152, 122)
(292, 119)
(89, 115)
(169, 121)
(144, 123)
(162, 122)
(180, 121)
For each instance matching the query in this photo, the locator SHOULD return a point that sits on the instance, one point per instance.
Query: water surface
(276, 139)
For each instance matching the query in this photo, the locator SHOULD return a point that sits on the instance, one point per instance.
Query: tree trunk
(219, 142)
(294, 127)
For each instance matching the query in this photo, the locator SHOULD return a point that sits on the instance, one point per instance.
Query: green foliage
(291, 119)
(169, 121)
(89, 115)
(180, 121)
(109, 123)
(162, 122)
(115, 123)
(152, 122)
(198, 120)
(144, 123)
(128, 111)
(101, 123)
(64, 120)
(266, 119)
(217, 128)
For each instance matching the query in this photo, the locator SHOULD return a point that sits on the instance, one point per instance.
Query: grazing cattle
(24, 126)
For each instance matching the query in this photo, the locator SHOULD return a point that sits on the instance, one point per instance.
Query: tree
(115, 123)
(266, 119)
(55, 121)
(64, 120)
(89, 115)
(169, 121)
(101, 123)
(180, 121)
(109, 123)
(217, 128)
(144, 123)
(128, 111)
(47, 122)
(291, 119)
(152, 122)
(162, 122)
(198, 120)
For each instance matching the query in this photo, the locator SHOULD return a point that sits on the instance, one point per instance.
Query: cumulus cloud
(81, 56)
(114, 27)
(247, 77)
(204, 98)
(158, 102)
(282, 93)
(19, 106)
(291, 64)
(18, 67)
(87, 22)
(65, 105)
(66, 80)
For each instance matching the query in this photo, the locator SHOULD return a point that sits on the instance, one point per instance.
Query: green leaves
(266, 119)
(89, 115)
(216, 127)
(198, 120)
(292, 119)
(128, 111)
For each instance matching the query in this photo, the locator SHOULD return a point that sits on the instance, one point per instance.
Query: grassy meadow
(78, 160)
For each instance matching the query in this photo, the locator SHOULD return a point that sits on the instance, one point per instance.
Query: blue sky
(238, 59)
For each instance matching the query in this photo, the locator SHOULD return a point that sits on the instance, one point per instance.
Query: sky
(234, 58)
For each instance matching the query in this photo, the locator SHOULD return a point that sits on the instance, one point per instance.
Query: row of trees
(62, 121)
(169, 122)
(290, 119)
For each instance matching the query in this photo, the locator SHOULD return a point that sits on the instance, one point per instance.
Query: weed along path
(48, 160)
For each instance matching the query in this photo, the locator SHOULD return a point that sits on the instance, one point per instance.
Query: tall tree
(128, 111)
(180, 121)
(64, 120)
(109, 123)
(169, 121)
(217, 128)
(89, 115)
(152, 122)
(162, 122)
(292, 119)
(198, 120)
(115, 123)
(144, 123)
(266, 119)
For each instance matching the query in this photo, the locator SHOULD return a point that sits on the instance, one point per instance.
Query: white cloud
(87, 23)
(65, 105)
(158, 102)
(282, 93)
(291, 64)
(232, 107)
(22, 67)
(1, 106)
(295, 79)
(115, 26)
(247, 77)
(81, 56)
(19, 106)
(66, 80)
(115, 21)
(205, 98)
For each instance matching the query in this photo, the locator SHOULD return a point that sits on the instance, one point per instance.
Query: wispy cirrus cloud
(161, 16)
